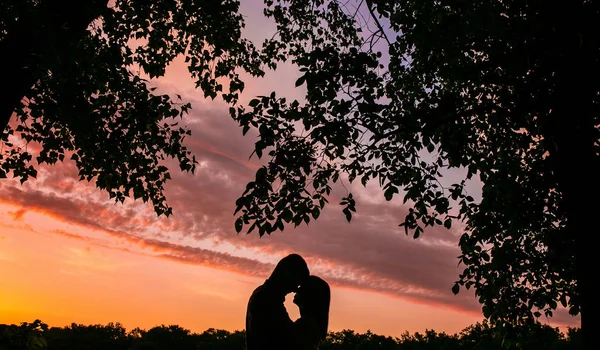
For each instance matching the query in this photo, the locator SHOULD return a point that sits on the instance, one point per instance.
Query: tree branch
(370, 8)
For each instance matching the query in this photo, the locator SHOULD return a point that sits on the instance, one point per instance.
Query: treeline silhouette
(113, 336)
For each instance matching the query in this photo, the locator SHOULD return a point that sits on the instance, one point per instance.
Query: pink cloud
(18, 214)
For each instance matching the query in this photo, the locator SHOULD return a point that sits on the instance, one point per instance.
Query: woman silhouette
(313, 298)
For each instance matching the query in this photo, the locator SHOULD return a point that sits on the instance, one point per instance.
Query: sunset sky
(69, 254)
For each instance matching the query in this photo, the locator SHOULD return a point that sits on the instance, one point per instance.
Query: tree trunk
(578, 175)
(36, 37)
(574, 135)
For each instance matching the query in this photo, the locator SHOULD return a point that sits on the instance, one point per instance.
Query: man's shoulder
(260, 294)
(260, 290)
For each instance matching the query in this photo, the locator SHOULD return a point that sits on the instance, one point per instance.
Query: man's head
(289, 273)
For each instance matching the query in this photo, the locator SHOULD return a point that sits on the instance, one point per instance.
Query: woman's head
(313, 299)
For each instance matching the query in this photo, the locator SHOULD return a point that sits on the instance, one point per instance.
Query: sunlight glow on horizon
(61, 280)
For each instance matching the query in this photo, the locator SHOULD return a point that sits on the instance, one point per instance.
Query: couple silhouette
(268, 325)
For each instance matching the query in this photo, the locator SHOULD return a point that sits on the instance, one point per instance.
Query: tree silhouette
(28, 336)
(78, 85)
(89, 337)
(37, 336)
(172, 336)
(505, 91)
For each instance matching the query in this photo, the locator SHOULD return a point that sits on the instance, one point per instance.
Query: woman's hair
(316, 300)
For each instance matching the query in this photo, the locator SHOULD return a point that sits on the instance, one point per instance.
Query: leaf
(287, 215)
(364, 180)
(389, 193)
(239, 223)
(315, 213)
(455, 288)
(417, 233)
(300, 81)
(563, 300)
(574, 311)
(348, 214)
(485, 309)
(448, 223)
(261, 173)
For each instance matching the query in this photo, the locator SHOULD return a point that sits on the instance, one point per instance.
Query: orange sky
(68, 254)
(61, 279)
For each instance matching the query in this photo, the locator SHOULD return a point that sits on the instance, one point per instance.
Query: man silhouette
(268, 325)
